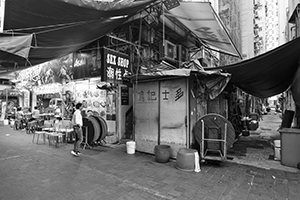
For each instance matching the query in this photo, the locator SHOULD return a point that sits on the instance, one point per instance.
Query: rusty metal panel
(173, 113)
(146, 116)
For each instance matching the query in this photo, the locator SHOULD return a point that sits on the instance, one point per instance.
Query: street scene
(149, 99)
(39, 171)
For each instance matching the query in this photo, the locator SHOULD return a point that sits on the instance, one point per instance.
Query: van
(56, 106)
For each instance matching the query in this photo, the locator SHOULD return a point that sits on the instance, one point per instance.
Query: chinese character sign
(115, 65)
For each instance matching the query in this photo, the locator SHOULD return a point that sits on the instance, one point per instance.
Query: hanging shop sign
(115, 65)
(124, 96)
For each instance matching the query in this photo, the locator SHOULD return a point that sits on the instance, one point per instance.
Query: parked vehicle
(56, 106)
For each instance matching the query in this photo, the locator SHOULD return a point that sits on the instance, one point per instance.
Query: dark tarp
(60, 27)
(295, 88)
(268, 74)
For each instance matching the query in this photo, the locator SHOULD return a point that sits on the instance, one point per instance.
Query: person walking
(77, 124)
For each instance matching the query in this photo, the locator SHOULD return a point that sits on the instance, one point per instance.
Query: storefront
(10, 99)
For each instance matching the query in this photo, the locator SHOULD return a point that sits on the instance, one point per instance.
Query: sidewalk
(260, 147)
(32, 171)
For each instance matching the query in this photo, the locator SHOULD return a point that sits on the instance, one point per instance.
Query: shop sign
(10, 93)
(115, 65)
(124, 96)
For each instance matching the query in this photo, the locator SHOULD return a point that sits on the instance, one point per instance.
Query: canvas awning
(268, 74)
(201, 19)
(60, 27)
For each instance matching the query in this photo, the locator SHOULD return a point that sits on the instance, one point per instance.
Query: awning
(268, 74)
(60, 27)
(213, 83)
(201, 19)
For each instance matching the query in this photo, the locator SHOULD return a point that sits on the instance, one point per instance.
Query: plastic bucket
(5, 122)
(130, 146)
(186, 159)
(12, 123)
(277, 148)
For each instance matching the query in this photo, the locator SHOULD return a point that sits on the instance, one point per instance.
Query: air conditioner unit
(183, 53)
(168, 50)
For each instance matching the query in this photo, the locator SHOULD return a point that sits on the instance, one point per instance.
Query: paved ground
(259, 155)
(36, 171)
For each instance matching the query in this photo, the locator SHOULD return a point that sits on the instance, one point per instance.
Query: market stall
(167, 105)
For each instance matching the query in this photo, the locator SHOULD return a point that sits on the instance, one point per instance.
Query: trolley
(215, 135)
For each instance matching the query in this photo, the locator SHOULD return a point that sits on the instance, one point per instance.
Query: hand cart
(208, 144)
(215, 135)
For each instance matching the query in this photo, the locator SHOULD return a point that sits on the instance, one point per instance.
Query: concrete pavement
(30, 171)
(261, 147)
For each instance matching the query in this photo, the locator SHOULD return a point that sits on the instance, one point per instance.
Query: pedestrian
(77, 125)
(19, 118)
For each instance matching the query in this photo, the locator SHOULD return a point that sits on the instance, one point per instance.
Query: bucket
(162, 153)
(5, 122)
(186, 159)
(277, 148)
(130, 145)
(12, 123)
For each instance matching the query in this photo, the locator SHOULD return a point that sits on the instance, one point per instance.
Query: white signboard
(2, 7)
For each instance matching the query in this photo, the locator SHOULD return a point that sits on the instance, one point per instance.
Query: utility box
(290, 146)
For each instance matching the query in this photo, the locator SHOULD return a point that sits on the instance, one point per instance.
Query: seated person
(34, 120)
(57, 112)
(57, 124)
(20, 113)
(19, 118)
(35, 114)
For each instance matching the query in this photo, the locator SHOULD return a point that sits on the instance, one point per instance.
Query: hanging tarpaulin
(61, 27)
(15, 44)
(201, 19)
(268, 74)
(295, 88)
